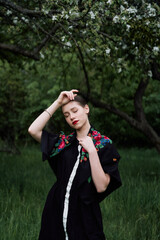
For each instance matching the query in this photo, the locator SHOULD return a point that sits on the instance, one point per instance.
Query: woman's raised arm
(35, 129)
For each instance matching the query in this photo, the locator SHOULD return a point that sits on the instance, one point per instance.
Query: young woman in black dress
(86, 167)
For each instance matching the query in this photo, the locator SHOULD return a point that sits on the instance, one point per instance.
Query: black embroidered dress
(72, 210)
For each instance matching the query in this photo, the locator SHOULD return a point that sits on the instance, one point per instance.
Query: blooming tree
(115, 33)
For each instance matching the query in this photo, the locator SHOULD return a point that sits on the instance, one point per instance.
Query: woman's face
(76, 115)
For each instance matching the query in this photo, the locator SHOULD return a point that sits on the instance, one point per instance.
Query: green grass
(130, 213)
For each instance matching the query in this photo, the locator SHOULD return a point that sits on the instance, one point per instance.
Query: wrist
(58, 104)
(92, 151)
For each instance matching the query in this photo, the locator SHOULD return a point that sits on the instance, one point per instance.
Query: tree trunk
(152, 135)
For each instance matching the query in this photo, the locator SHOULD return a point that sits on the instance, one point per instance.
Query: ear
(86, 107)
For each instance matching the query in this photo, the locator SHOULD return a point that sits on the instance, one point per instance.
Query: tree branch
(133, 122)
(46, 39)
(84, 70)
(144, 127)
(19, 50)
(34, 54)
(140, 115)
(25, 11)
(107, 36)
(11, 5)
(81, 60)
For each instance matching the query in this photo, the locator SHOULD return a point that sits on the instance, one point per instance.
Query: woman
(86, 167)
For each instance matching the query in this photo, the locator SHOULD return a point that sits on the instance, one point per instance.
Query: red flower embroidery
(61, 145)
(94, 133)
(106, 137)
(97, 143)
(98, 140)
(98, 137)
(63, 136)
(84, 150)
(85, 159)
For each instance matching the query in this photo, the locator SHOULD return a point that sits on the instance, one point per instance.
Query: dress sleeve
(48, 142)
(109, 158)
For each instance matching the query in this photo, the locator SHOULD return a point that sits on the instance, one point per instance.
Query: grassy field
(130, 213)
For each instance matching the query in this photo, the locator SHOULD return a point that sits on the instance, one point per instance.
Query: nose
(72, 116)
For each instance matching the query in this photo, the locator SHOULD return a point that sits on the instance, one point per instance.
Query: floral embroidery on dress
(64, 141)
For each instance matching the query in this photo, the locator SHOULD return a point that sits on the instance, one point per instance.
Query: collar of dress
(65, 140)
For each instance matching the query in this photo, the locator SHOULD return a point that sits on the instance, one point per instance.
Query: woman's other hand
(87, 144)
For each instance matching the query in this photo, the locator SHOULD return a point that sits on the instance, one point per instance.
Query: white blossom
(108, 50)
(42, 55)
(68, 44)
(15, 20)
(139, 17)
(151, 10)
(149, 73)
(92, 15)
(131, 10)
(54, 18)
(62, 14)
(158, 25)
(25, 19)
(147, 22)
(119, 60)
(122, 8)
(155, 50)
(119, 70)
(92, 49)
(63, 38)
(124, 46)
(74, 13)
(123, 18)
(109, 2)
(128, 27)
(66, 16)
(125, 3)
(9, 12)
(116, 19)
(45, 11)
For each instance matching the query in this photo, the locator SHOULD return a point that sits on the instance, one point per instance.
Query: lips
(75, 122)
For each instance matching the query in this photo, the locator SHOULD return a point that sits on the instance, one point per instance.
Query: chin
(76, 127)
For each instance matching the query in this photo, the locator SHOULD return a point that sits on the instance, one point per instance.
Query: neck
(83, 131)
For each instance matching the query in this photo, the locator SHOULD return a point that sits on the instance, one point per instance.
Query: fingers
(80, 142)
(71, 94)
(75, 90)
(66, 96)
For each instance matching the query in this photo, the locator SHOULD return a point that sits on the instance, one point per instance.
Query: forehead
(70, 105)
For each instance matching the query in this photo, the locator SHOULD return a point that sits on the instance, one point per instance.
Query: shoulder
(109, 153)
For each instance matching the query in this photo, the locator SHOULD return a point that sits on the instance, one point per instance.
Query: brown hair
(81, 100)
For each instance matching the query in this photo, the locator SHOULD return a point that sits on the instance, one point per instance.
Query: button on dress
(72, 210)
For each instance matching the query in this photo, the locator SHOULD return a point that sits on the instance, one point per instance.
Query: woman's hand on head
(66, 96)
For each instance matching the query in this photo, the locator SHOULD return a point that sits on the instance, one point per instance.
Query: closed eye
(75, 111)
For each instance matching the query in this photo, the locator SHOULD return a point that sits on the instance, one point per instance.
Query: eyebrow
(70, 109)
